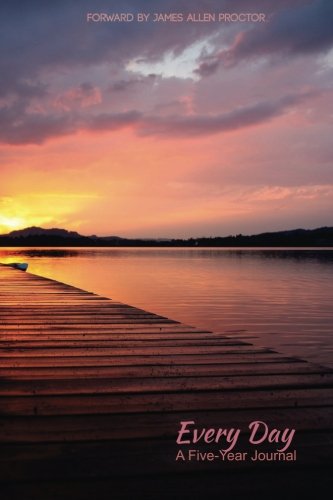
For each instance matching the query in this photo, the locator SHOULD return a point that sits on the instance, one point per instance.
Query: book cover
(166, 175)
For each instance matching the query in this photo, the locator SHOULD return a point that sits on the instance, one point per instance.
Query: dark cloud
(38, 36)
(304, 30)
(110, 121)
(208, 66)
(297, 29)
(189, 126)
(47, 36)
(18, 126)
(124, 85)
(47, 42)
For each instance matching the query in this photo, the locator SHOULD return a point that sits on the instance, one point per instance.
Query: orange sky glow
(227, 140)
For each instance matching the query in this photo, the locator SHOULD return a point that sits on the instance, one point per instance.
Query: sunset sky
(166, 129)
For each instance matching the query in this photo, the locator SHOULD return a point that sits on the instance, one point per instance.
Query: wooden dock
(93, 392)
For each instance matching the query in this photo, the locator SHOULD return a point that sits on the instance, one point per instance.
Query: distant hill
(39, 231)
(320, 237)
(39, 237)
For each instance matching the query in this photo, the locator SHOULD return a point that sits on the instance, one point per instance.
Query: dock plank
(40, 373)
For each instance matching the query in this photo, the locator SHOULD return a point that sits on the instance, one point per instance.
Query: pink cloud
(83, 96)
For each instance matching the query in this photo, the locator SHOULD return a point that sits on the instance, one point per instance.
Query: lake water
(279, 298)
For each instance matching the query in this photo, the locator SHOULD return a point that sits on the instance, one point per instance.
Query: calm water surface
(278, 298)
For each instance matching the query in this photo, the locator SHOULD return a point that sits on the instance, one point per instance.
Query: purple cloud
(20, 127)
(246, 116)
(46, 54)
(112, 121)
(297, 29)
(17, 126)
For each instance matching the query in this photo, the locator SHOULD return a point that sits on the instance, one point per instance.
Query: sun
(10, 223)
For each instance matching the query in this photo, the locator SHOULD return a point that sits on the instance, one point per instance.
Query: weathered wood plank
(107, 343)
(160, 359)
(56, 338)
(179, 384)
(32, 373)
(171, 401)
(128, 328)
(123, 351)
